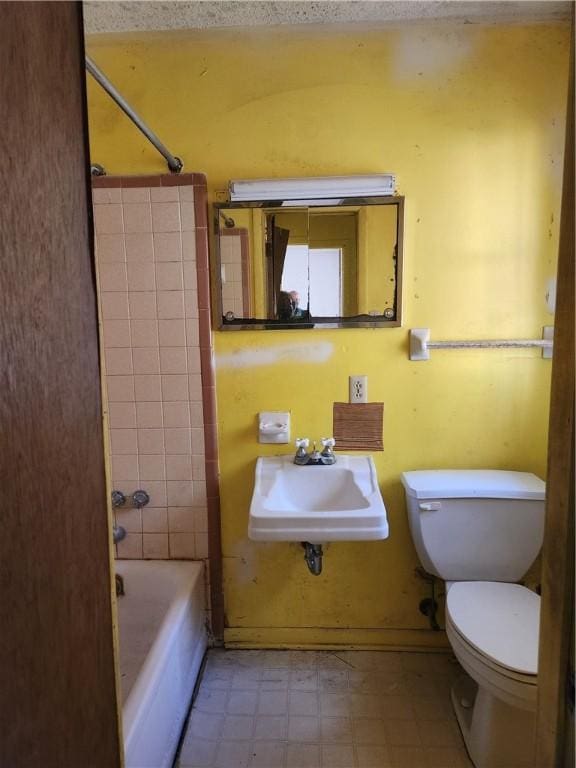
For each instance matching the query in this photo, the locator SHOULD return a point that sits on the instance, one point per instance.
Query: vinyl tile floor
(324, 709)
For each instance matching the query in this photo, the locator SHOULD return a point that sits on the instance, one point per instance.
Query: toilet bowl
(493, 630)
(480, 530)
(516, 690)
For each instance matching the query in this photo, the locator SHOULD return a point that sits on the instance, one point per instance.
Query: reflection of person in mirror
(295, 300)
(288, 306)
(297, 311)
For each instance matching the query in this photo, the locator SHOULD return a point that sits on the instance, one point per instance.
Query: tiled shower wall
(234, 267)
(154, 303)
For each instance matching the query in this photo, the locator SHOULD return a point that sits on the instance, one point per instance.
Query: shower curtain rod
(174, 163)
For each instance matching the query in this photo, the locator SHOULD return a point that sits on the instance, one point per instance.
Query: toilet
(480, 531)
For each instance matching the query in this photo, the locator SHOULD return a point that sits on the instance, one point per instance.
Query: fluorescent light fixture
(312, 188)
(315, 201)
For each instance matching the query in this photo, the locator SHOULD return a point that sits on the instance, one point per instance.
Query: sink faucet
(315, 457)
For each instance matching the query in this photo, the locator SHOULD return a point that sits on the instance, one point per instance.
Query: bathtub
(162, 642)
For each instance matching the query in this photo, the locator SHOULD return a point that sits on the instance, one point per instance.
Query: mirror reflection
(319, 264)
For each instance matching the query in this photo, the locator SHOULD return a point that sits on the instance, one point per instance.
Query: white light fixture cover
(312, 188)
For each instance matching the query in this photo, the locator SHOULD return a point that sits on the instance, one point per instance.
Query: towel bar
(420, 344)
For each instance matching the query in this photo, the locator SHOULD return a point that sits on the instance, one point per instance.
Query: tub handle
(140, 498)
(118, 499)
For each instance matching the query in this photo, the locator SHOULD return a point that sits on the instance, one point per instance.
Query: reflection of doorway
(316, 274)
(276, 244)
(235, 272)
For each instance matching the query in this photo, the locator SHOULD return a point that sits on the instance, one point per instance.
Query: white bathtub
(162, 643)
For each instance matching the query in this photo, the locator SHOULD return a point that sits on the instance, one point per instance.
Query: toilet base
(496, 735)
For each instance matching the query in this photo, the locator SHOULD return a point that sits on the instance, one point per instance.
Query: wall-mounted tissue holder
(273, 427)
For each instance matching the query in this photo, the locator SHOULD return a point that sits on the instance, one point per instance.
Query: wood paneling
(58, 706)
(558, 550)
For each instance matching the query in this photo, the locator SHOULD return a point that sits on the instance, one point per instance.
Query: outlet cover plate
(358, 389)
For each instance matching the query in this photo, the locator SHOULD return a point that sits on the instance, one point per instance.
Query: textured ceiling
(106, 17)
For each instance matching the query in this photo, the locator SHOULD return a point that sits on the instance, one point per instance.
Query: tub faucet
(118, 533)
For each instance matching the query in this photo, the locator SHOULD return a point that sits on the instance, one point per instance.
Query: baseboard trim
(314, 638)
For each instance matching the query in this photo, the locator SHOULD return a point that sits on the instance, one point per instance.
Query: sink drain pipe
(313, 557)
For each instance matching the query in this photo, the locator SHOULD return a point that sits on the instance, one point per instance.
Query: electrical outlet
(358, 389)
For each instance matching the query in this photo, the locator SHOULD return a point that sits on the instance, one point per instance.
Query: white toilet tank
(475, 524)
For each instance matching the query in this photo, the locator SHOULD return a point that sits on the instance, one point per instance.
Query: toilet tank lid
(473, 483)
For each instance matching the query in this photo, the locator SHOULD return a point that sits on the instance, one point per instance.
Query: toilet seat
(493, 630)
(497, 668)
(500, 621)
(517, 693)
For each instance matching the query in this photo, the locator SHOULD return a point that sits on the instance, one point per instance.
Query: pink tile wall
(231, 260)
(148, 292)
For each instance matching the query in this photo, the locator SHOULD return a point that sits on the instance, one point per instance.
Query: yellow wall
(471, 119)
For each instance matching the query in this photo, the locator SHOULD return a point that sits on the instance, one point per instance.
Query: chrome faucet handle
(302, 444)
(118, 499)
(140, 498)
(301, 456)
(327, 455)
(328, 443)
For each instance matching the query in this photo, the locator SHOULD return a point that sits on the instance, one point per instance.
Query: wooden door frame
(59, 703)
(557, 613)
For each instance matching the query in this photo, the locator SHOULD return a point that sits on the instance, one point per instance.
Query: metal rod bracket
(174, 163)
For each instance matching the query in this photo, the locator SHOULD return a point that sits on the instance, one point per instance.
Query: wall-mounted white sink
(340, 502)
